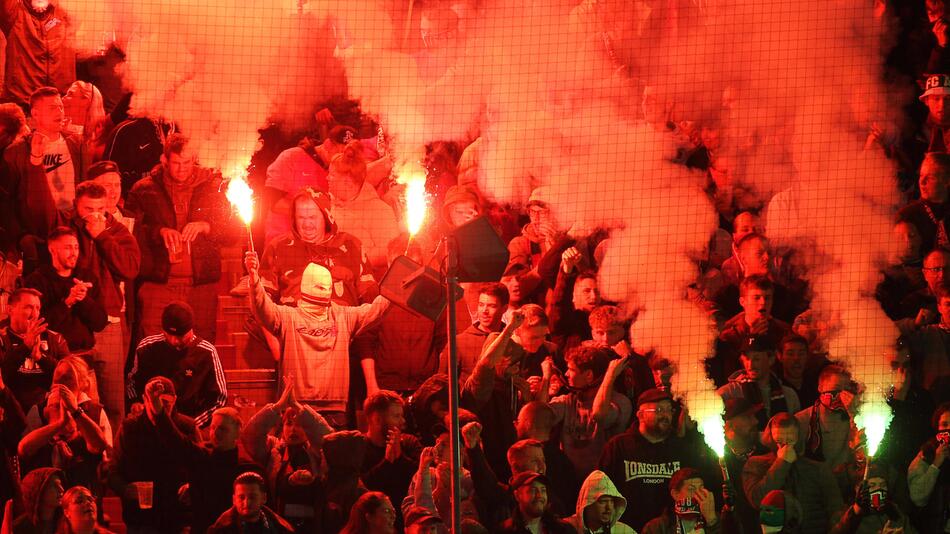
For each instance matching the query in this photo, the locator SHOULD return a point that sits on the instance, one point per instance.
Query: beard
(661, 428)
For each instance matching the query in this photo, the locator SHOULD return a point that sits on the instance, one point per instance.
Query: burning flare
(415, 182)
(713, 434)
(874, 417)
(241, 196)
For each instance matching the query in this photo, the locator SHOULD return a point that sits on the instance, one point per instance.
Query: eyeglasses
(833, 394)
(934, 269)
(661, 411)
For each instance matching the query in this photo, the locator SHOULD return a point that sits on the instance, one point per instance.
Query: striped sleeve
(131, 383)
(217, 391)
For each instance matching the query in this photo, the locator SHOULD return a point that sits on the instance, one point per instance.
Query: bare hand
(78, 292)
(325, 116)
(152, 396)
(534, 385)
(67, 397)
(759, 326)
(287, 399)
(393, 445)
(547, 230)
(521, 384)
(547, 367)
(193, 230)
(38, 143)
(788, 453)
(427, 459)
(95, 224)
(707, 504)
(472, 435)
(617, 366)
(33, 332)
(301, 477)
(173, 240)
(253, 265)
(941, 454)
(517, 319)
(570, 258)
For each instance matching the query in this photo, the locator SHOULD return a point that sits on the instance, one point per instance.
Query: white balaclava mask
(315, 289)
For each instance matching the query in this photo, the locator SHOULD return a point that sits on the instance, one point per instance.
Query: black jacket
(196, 372)
(211, 475)
(144, 452)
(152, 205)
(229, 523)
(79, 323)
(29, 383)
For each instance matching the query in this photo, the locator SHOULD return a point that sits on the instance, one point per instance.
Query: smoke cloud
(220, 70)
(790, 89)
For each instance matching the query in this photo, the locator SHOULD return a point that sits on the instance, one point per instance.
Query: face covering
(839, 402)
(686, 509)
(315, 288)
(771, 518)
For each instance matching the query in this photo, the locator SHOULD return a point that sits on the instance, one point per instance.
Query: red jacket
(39, 50)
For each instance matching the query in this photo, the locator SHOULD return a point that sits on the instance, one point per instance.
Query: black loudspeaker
(414, 288)
(482, 255)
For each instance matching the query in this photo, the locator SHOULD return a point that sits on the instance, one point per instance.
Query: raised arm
(261, 305)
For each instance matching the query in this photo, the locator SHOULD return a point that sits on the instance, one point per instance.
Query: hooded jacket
(316, 350)
(596, 486)
(31, 491)
(287, 256)
(151, 203)
(41, 44)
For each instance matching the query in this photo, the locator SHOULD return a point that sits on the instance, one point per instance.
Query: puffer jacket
(152, 205)
(597, 485)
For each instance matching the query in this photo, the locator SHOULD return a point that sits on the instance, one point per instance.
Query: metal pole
(451, 285)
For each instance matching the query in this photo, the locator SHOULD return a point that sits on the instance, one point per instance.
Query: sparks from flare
(415, 203)
(241, 196)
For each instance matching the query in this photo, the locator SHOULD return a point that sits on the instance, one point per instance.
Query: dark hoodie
(31, 491)
(286, 257)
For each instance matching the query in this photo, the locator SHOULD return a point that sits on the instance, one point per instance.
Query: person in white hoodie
(599, 507)
(314, 337)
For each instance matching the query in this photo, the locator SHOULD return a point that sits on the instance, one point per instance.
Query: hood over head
(596, 486)
(32, 488)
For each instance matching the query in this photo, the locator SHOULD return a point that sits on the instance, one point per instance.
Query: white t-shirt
(57, 162)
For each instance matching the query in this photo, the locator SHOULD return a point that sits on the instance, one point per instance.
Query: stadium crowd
(114, 244)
